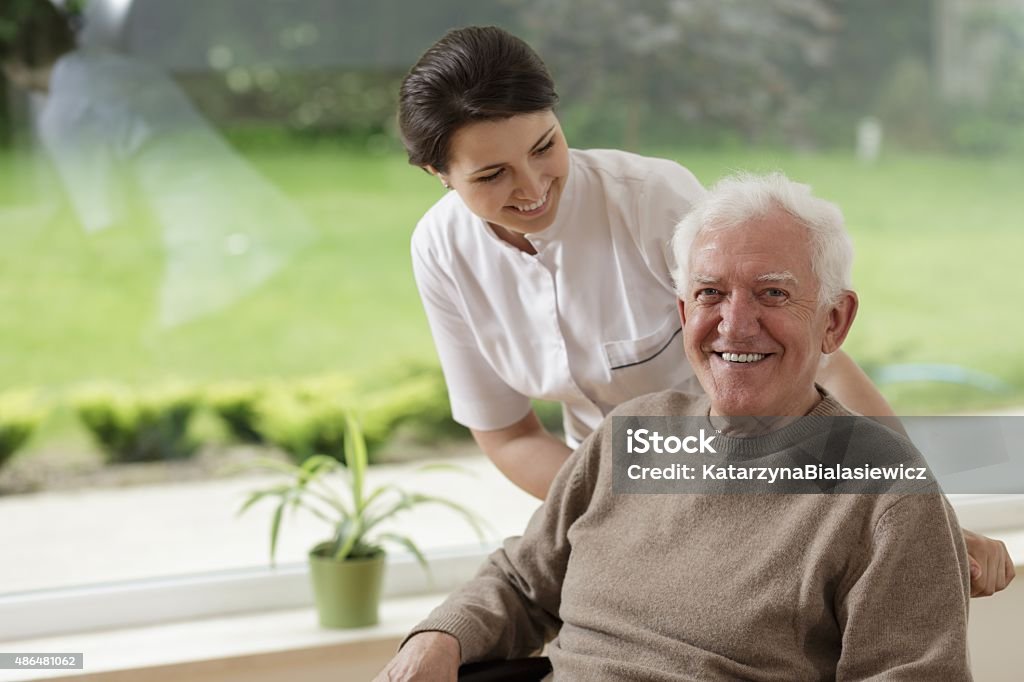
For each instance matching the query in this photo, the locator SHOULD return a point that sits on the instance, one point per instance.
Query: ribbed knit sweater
(723, 587)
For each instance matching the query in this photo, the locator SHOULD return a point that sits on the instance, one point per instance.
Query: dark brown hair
(38, 34)
(478, 73)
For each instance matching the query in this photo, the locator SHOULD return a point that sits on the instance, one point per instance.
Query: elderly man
(726, 587)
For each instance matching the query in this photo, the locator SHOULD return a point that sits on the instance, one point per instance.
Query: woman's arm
(525, 452)
(990, 562)
(845, 380)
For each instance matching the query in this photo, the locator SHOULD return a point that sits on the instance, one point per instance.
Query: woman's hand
(991, 565)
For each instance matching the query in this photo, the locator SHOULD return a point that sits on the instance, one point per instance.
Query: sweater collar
(802, 428)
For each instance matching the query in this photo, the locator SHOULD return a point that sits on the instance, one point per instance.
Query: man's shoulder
(877, 431)
(871, 442)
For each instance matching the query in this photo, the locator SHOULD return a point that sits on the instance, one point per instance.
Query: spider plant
(353, 512)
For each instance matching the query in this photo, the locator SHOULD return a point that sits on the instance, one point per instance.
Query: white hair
(743, 198)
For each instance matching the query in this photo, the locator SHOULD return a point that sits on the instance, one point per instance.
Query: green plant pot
(347, 593)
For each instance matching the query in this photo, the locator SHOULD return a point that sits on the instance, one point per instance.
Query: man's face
(754, 330)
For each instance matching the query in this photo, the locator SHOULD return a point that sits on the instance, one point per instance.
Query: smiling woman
(519, 195)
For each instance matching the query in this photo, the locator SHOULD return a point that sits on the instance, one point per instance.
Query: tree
(671, 64)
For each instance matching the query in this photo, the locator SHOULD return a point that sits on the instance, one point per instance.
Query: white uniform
(590, 320)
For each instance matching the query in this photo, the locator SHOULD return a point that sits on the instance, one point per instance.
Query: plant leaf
(259, 495)
(444, 466)
(379, 491)
(403, 503)
(275, 526)
(356, 459)
(407, 542)
(268, 463)
(316, 465)
(473, 519)
(355, 534)
(329, 499)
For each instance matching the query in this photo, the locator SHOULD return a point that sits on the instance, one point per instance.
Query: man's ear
(839, 320)
(682, 310)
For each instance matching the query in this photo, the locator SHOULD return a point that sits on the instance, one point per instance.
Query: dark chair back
(516, 670)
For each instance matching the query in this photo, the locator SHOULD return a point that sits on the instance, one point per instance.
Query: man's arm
(510, 609)
(903, 613)
(427, 657)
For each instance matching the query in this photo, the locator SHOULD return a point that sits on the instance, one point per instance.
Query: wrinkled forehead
(767, 249)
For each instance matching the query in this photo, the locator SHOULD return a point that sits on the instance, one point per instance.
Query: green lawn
(938, 241)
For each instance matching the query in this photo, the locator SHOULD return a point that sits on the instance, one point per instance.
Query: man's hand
(426, 657)
(991, 565)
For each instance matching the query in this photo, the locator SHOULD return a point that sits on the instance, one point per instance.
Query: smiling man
(757, 319)
(724, 584)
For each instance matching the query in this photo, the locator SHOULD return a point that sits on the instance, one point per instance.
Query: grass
(938, 243)
(81, 307)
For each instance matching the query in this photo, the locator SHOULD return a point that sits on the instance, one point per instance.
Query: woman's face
(511, 171)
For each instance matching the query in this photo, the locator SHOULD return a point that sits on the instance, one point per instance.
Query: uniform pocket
(632, 352)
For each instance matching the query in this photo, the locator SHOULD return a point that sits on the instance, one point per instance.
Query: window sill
(287, 644)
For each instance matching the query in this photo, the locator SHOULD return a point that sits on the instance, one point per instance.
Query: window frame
(137, 603)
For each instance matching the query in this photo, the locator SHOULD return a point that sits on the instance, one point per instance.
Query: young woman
(545, 271)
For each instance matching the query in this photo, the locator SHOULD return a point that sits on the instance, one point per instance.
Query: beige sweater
(722, 587)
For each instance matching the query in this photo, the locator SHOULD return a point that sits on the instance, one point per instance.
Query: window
(223, 198)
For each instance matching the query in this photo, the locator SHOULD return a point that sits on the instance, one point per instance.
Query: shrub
(304, 425)
(20, 415)
(417, 399)
(139, 426)
(550, 414)
(308, 418)
(237, 404)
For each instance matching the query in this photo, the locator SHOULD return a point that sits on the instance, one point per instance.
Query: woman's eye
(549, 145)
(492, 177)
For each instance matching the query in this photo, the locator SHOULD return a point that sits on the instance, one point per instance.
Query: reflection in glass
(128, 145)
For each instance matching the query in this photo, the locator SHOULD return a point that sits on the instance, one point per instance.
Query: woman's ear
(437, 174)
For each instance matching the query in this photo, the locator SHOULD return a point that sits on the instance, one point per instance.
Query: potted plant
(346, 570)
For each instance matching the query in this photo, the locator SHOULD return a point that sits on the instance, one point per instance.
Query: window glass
(204, 204)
